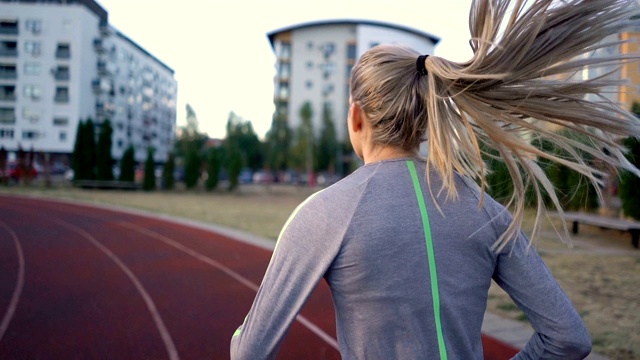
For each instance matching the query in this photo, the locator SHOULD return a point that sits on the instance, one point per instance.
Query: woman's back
(400, 293)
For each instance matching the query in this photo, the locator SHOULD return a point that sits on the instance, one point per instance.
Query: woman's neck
(378, 153)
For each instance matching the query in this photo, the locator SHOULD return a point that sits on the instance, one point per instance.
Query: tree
(234, 166)
(192, 168)
(78, 150)
(240, 133)
(306, 114)
(168, 180)
(149, 182)
(104, 168)
(88, 155)
(278, 141)
(189, 148)
(128, 164)
(213, 169)
(326, 151)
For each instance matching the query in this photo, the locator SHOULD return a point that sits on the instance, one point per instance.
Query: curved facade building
(314, 62)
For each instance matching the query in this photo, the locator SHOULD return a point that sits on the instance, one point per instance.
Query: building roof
(93, 6)
(127, 39)
(271, 35)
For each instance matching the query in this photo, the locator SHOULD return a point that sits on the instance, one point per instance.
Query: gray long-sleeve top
(408, 280)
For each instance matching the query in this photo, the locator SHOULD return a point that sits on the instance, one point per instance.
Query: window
(327, 89)
(32, 92)
(309, 65)
(67, 25)
(6, 133)
(309, 84)
(62, 136)
(32, 68)
(30, 135)
(33, 25)
(349, 69)
(60, 121)
(30, 114)
(62, 94)
(329, 67)
(310, 45)
(351, 51)
(373, 44)
(32, 47)
(328, 49)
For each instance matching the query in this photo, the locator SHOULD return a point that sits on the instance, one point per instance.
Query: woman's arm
(559, 330)
(306, 247)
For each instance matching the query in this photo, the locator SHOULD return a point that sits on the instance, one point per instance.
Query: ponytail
(511, 92)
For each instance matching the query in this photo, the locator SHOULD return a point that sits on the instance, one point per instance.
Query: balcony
(9, 52)
(8, 93)
(103, 69)
(98, 46)
(95, 85)
(9, 28)
(63, 53)
(7, 116)
(61, 75)
(61, 98)
(8, 73)
(104, 29)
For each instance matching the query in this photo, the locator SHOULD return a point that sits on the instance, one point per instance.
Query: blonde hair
(504, 94)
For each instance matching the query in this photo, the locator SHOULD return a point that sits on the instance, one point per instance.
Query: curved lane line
(162, 329)
(13, 304)
(248, 283)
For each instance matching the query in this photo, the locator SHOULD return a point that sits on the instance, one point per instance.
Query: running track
(93, 283)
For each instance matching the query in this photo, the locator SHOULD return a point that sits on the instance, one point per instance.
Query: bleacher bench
(603, 222)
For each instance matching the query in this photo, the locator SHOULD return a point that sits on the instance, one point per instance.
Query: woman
(409, 246)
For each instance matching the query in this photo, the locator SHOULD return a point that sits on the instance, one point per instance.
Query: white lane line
(248, 283)
(162, 329)
(15, 298)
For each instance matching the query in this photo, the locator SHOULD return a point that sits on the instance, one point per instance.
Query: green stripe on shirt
(432, 259)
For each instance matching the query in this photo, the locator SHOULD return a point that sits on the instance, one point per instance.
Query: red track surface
(89, 283)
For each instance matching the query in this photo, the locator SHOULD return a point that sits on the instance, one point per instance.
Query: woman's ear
(355, 113)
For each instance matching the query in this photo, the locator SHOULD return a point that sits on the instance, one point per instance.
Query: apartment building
(314, 62)
(61, 62)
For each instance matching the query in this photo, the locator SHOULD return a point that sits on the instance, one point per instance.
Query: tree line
(306, 151)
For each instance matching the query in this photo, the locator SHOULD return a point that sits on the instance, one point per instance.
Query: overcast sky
(222, 58)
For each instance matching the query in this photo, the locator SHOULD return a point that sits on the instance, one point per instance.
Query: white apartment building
(314, 62)
(61, 62)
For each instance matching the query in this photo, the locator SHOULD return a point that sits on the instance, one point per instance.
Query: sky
(223, 60)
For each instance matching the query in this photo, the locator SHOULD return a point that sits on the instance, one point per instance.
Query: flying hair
(522, 84)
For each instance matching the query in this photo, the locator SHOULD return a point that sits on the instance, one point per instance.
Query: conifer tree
(127, 165)
(104, 168)
(149, 182)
